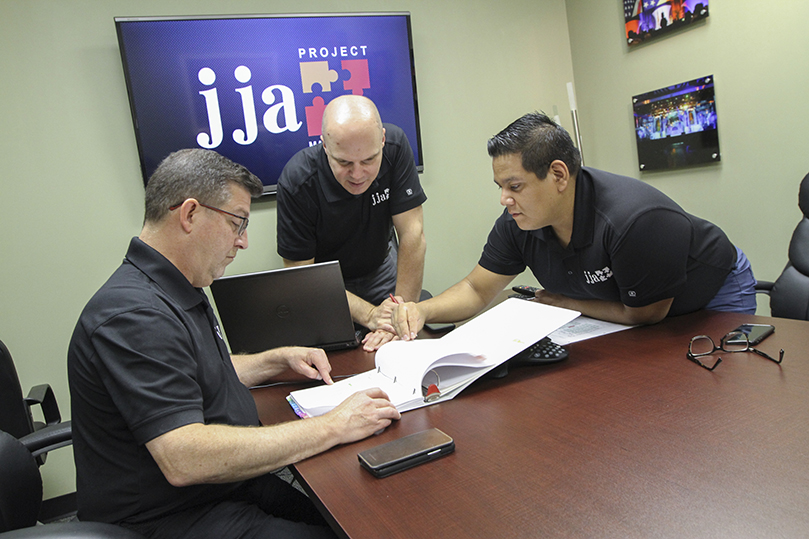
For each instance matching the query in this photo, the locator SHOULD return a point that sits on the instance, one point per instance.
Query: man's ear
(560, 174)
(188, 213)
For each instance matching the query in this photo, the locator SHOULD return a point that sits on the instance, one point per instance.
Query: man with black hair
(609, 246)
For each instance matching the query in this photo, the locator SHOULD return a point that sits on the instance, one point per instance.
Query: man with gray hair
(167, 439)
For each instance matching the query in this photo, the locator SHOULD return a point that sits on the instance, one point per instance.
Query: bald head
(353, 139)
(349, 114)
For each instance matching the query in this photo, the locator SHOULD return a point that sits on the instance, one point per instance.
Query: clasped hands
(403, 320)
(392, 321)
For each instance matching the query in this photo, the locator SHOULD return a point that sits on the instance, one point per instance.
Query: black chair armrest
(43, 396)
(764, 287)
(48, 438)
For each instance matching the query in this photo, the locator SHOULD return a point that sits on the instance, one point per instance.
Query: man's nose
(505, 199)
(241, 241)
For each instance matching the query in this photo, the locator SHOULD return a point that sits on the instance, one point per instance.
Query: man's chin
(356, 188)
(522, 224)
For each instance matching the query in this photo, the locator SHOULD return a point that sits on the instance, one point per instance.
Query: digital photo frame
(648, 19)
(676, 126)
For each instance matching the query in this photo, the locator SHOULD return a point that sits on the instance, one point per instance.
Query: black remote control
(542, 352)
(530, 291)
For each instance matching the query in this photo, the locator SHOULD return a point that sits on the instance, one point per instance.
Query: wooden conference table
(626, 438)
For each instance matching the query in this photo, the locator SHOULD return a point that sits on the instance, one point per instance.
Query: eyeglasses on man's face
(735, 341)
(242, 226)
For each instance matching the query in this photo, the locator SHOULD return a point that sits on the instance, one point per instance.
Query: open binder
(427, 371)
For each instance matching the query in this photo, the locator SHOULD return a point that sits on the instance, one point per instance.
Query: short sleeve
(145, 365)
(407, 192)
(650, 260)
(296, 223)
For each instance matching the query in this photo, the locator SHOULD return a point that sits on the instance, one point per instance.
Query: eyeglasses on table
(735, 341)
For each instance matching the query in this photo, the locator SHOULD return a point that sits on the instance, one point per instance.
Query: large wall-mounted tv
(253, 88)
(677, 126)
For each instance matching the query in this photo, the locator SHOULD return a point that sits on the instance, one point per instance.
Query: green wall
(71, 187)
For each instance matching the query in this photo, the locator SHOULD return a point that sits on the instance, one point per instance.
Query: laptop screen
(298, 306)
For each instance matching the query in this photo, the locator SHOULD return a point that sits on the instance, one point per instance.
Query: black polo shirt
(318, 218)
(630, 243)
(146, 357)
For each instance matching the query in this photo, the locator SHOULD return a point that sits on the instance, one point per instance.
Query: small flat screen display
(676, 126)
(648, 19)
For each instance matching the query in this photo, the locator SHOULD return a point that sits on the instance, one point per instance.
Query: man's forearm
(611, 311)
(361, 310)
(254, 369)
(199, 453)
(410, 267)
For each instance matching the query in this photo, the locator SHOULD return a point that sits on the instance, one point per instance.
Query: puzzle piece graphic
(317, 73)
(314, 117)
(360, 79)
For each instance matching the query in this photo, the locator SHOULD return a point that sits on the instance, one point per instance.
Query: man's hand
(310, 362)
(375, 339)
(379, 316)
(406, 320)
(363, 414)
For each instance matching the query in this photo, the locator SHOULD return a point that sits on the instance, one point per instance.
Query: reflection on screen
(676, 126)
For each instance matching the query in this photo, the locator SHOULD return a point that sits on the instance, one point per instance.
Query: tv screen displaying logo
(676, 126)
(254, 88)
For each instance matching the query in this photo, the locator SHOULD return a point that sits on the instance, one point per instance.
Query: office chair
(21, 496)
(15, 411)
(38, 437)
(789, 294)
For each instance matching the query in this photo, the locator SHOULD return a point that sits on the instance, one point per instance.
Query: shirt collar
(165, 274)
(583, 211)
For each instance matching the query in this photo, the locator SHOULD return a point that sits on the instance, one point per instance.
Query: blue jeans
(738, 293)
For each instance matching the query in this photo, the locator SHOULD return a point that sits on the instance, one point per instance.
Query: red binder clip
(433, 393)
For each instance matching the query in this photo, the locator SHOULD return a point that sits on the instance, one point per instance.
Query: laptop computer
(297, 306)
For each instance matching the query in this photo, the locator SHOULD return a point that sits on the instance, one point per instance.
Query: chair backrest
(789, 297)
(20, 485)
(14, 415)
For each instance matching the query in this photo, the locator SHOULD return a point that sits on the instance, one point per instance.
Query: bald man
(343, 199)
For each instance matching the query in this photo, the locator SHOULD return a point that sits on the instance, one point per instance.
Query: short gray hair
(195, 173)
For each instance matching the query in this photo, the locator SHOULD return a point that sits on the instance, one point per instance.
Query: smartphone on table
(755, 333)
(406, 452)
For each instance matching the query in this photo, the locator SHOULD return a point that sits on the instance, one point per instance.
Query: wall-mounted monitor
(253, 88)
(648, 19)
(676, 126)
